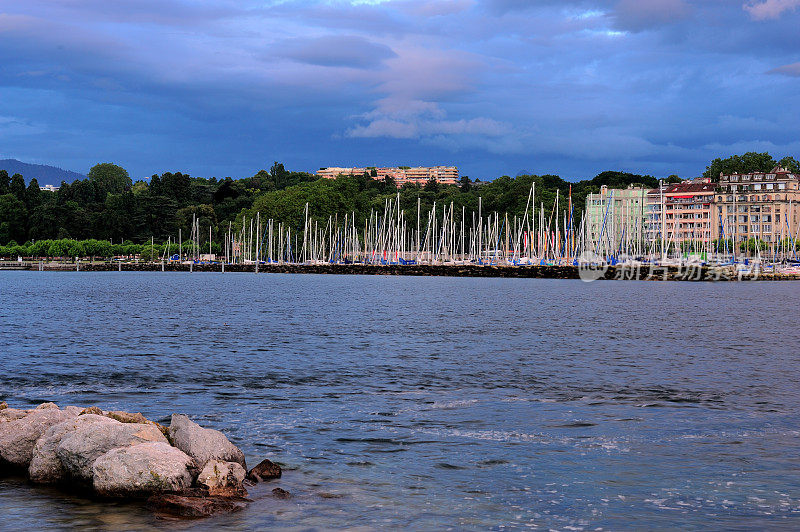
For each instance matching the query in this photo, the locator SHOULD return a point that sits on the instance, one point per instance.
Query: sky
(495, 87)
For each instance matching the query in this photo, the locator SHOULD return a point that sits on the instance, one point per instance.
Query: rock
(79, 448)
(193, 507)
(202, 444)
(18, 437)
(73, 410)
(3, 405)
(10, 414)
(127, 417)
(137, 417)
(45, 466)
(281, 493)
(145, 468)
(265, 470)
(223, 479)
(92, 410)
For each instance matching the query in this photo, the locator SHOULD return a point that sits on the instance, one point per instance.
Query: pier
(642, 272)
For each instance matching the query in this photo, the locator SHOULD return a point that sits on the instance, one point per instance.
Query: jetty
(586, 272)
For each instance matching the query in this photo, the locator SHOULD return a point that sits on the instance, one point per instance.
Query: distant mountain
(44, 174)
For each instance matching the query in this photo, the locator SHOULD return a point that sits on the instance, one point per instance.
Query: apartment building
(615, 218)
(758, 205)
(401, 174)
(682, 212)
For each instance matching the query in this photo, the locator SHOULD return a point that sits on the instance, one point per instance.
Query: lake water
(431, 403)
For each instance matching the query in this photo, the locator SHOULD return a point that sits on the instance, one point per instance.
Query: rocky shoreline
(181, 470)
(620, 272)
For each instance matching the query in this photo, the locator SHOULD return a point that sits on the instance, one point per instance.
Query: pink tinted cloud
(792, 70)
(770, 9)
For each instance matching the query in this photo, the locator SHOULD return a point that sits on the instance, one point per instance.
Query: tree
(466, 184)
(97, 248)
(109, 177)
(278, 173)
(17, 186)
(205, 216)
(790, 163)
(75, 249)
(13, 218)
(33, 196)
(140, 187)
(119, 217)
(18, 250)
(5, 182)
(39, 248)
(58, 248)
(673, 179)
(613, 179)
(176, 186)
(431, 186)
(45, 220)
(740, 164)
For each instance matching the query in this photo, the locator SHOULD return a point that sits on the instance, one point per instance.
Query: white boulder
(141, 469)
(78, 449)
(202, 444)
(45, 466)
(18, 436)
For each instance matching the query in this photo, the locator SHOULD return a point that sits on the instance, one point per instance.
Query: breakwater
(587, 273)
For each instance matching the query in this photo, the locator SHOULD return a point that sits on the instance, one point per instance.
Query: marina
(668, 233)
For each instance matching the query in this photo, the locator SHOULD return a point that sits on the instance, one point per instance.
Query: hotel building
(447, 175)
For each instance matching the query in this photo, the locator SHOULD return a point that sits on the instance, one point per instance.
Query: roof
(682, 188)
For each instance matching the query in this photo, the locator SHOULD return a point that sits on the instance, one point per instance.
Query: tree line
(109, 207)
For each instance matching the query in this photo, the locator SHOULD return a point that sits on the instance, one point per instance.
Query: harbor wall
(644, 273)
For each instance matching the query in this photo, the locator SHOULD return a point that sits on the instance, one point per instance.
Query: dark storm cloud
(571, 86)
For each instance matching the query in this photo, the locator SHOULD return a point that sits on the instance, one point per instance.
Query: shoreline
(643, 273)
